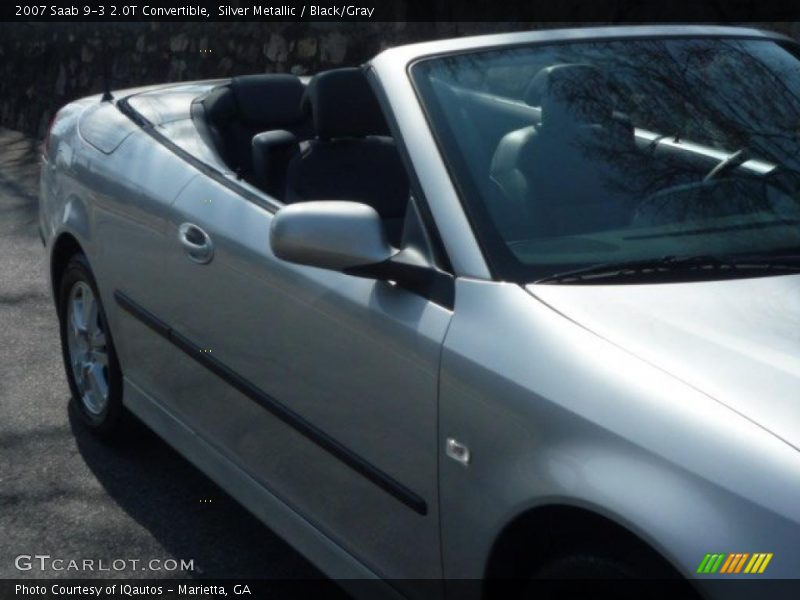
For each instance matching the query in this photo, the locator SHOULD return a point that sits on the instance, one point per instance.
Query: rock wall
(45, 65)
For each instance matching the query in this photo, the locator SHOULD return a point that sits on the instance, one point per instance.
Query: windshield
(599, 153)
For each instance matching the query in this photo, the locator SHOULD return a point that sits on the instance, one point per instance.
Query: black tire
(585, 566)
(595, 574)
(106, 422)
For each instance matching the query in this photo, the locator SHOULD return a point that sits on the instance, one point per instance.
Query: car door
(321, 385)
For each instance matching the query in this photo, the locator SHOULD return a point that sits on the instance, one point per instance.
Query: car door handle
(196, 243)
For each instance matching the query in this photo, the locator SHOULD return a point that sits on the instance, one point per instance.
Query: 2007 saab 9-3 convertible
(520, 305)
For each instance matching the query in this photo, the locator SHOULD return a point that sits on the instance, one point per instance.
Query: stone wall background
(45, 65)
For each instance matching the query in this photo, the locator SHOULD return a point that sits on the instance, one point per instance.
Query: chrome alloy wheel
(86, 344)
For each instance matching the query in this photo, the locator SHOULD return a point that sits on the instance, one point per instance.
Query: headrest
(220, 105)
(342, 104)
(270, 100)
(571, 94)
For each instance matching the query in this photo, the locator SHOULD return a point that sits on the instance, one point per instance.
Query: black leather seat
(272, 152)
(558, 177)
(249, 105)
(351, 156)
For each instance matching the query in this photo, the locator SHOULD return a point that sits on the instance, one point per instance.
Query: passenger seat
(351, 156)
(272, 151)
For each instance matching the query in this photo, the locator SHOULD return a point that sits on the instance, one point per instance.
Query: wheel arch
(65, 247)
(543, 532)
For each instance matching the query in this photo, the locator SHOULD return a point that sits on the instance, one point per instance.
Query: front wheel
(590, 574)
(90, 361)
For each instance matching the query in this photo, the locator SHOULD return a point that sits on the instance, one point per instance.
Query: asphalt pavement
(63, 493)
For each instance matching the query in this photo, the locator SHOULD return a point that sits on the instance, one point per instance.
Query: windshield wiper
(669, 266)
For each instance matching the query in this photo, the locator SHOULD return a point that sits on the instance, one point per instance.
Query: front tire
(90, 361)
(585, 566)
(595, 574)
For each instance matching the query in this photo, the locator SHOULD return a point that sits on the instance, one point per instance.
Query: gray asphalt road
(63, 493)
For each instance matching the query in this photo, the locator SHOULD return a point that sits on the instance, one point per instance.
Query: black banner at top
(261, 11)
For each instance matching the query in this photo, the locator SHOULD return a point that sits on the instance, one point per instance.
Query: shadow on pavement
(185, 511)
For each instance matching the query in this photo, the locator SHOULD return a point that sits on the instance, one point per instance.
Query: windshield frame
(499, 259)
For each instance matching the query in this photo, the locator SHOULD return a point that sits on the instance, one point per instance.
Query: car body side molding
(384, 481)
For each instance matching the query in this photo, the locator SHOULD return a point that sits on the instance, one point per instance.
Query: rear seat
(234, 113)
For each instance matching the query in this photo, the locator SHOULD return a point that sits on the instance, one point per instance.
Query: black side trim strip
(285, 414)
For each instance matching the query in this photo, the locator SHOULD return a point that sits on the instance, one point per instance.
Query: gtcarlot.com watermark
(46, 562)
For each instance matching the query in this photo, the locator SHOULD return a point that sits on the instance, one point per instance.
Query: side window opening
(349, 154)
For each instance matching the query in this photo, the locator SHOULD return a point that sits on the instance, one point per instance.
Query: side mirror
(331, 234)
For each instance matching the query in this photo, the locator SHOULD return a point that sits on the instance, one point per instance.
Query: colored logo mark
(735, 562)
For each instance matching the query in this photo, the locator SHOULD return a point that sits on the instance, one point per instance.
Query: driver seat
(558, 177)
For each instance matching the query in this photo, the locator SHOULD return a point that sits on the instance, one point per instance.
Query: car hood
(737, 340)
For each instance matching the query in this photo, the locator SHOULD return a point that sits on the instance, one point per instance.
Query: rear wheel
(90, 361)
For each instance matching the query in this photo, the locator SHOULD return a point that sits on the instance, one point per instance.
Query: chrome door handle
(196, 243)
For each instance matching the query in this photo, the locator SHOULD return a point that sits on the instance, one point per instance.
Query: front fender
(554, 414)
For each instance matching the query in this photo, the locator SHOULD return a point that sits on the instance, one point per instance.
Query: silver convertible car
(519, 306)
